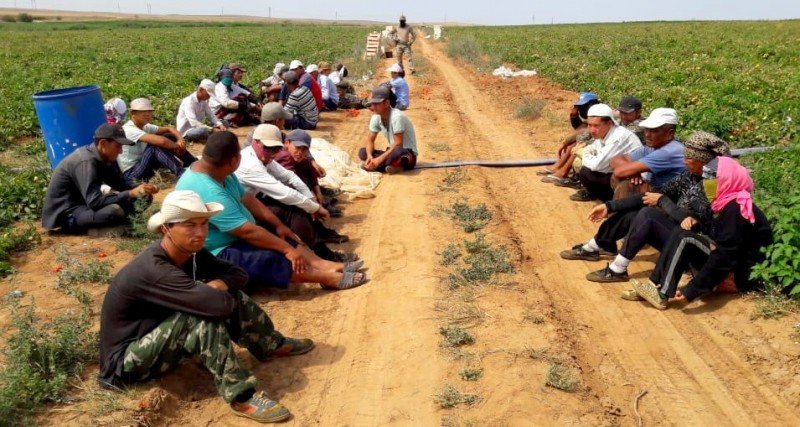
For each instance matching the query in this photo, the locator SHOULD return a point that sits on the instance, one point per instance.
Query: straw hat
(180, 206)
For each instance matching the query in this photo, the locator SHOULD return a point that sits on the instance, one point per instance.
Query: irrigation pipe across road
(540, 162)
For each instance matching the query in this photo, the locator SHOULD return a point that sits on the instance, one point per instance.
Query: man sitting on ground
(578, 117)
(230, 101)
(610, 140)
(304, 79)
(154, 146)
(399, 87)
(300, 104)
(330, 98)
(176, 300)
(74, 201)
(269, 259)
(271, 86)
(193, 112)
(281, 190)
(401, 153)
(630, 115)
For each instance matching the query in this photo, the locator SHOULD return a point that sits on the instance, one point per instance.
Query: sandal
(350, 279)
(549, 179)
(544, 172)
(353, 266)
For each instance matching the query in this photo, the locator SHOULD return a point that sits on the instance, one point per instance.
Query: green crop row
(133, 59)
(738, 80)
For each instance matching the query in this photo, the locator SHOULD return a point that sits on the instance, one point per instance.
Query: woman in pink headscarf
(738, 233)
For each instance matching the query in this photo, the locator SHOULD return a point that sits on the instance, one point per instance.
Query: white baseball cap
(395, 68)
(660, 117)
(600, 110)
(269, 135)
(294, 64)
(311, 68)
(180, 206)
(208, 85)
(141, 104)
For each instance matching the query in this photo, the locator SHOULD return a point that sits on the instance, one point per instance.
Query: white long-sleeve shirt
(328, 88)
(223, 97)
(274, 181)
(192, 114)
(597, 155)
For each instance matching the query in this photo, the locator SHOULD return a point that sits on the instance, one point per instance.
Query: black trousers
(651, 226)
(614, 228)
(301, 223)
(83, 217)
(684, 249)
(598, 184)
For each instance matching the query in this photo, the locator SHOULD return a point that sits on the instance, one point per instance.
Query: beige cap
(141, 104)
(268, 135)
(180, 206)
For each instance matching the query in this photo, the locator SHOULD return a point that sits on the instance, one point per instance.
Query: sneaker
(607, 275)
(344, 256)
(568, 183)
(261, 408)
(578, 253)
(581, 196)
(292, 347)
(630, 295)
(649, 291)
(391, 170)
(331, 236)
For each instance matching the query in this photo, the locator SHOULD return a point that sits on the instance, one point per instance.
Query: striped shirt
(301, 103)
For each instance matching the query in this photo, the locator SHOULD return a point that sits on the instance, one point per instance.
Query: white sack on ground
(503, 71)
(341, 172)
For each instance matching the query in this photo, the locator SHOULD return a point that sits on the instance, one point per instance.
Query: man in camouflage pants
(403, 37)
(177, 300)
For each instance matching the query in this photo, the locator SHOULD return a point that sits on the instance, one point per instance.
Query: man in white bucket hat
(176, 299)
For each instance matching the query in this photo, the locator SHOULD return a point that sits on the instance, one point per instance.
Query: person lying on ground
(593, 162)
(401, 153)
(115, 110)
(399, 87)
(271, 86)
(330, 97)
(176, 300)
(348, 99)
(733, 246)
(154, 146)
(231, 103)
(193, 112)
(300, 104)
(649, 218)
(578, 117)
(656, 163)
(282, 191)
(74, 201)
(241, 233)
(296, 157)
(404, 36)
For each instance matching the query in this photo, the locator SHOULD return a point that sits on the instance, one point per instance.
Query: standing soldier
(404, 36)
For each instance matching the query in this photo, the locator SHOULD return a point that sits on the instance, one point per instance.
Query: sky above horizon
(497, 12)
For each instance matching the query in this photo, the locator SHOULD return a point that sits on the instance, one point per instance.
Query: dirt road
(378, 359)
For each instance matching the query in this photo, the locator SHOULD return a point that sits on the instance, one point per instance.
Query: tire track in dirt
(622, 346)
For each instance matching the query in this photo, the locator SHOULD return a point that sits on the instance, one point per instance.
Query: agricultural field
(162, 61)
(737, 80)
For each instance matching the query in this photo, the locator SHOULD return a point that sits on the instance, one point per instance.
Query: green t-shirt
(398, 123)
(230, 196)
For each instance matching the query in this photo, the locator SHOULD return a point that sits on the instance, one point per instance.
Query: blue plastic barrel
(68, 118)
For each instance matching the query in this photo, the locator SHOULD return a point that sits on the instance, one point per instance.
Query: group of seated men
(689, 200)
(238, 220)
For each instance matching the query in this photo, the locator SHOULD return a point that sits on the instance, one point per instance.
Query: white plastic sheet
(503, 71)
(343, 173)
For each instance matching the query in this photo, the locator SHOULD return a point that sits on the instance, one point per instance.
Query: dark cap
(225, 72)
(629, 104)
(112, 131)
(380, 94)
(291, 77)
(299, 138)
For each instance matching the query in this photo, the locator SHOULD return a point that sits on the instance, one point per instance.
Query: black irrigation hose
(541, 162)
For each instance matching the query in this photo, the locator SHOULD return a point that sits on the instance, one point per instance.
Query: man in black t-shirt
(175, 300)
